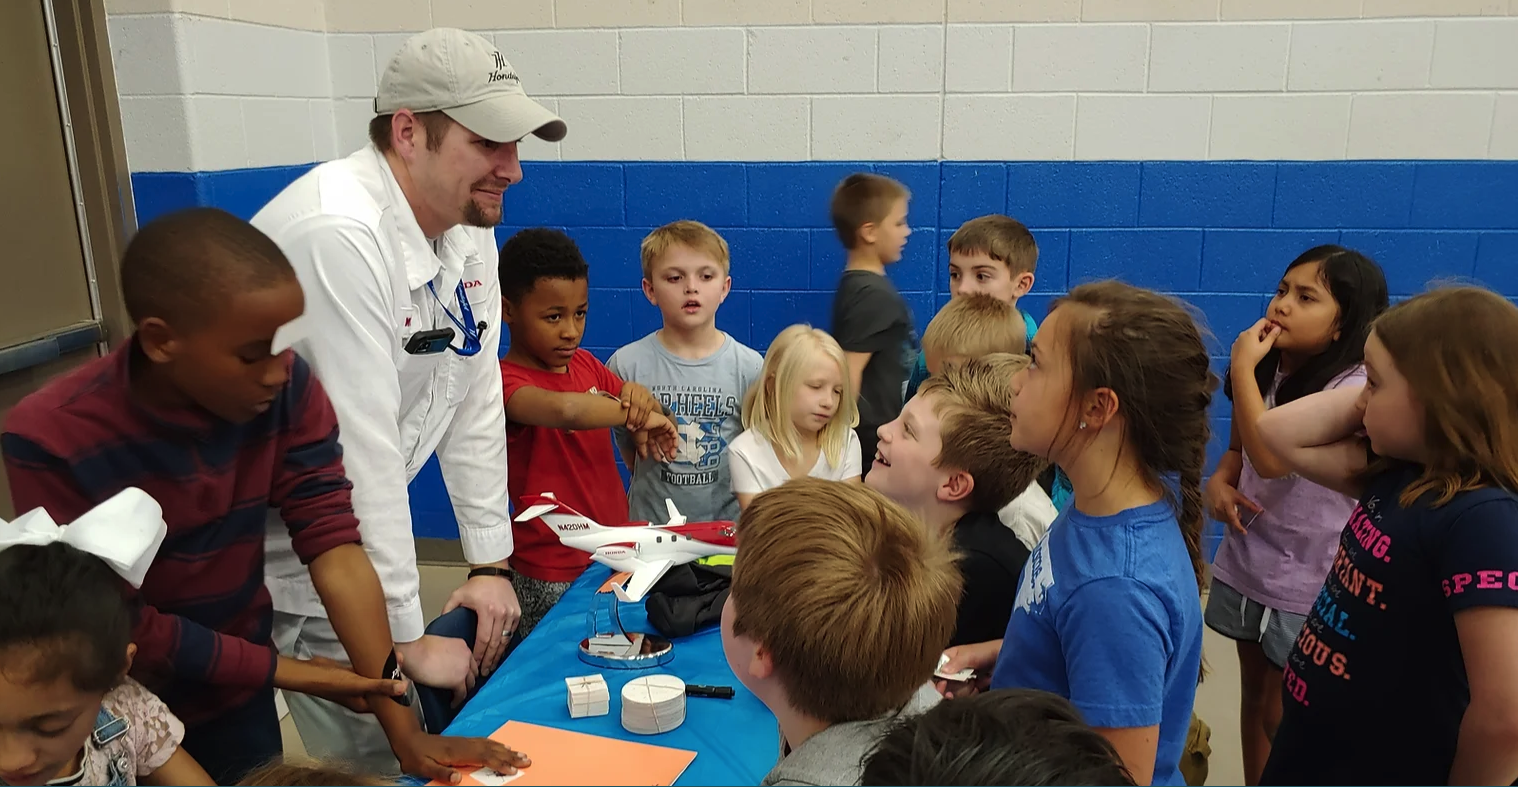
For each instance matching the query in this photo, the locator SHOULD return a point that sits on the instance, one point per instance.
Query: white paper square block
(588, 696)
(586, 710)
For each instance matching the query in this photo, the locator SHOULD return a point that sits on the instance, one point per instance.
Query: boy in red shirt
(561, 403)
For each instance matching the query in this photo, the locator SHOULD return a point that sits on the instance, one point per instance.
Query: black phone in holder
(430, 342)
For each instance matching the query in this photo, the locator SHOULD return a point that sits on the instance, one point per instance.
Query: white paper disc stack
(653, 704)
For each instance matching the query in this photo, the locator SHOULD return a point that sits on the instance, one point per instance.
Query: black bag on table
(688, 598)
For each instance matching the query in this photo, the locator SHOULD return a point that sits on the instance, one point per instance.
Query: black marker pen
(715, 692)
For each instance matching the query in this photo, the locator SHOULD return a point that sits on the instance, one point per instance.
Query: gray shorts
(1231, 614)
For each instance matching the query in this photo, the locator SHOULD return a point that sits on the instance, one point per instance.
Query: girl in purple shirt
(1282, 529)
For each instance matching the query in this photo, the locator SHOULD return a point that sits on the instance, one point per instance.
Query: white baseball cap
(464, 76)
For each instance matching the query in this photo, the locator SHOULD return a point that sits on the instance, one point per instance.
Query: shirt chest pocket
(418, 372)
(480, 292)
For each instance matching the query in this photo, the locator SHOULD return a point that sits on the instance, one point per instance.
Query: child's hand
(440, 758)
(1252, 345)
(332, 681)
(1222, 500)
(640, 402)
(658, 438)
(980, 657)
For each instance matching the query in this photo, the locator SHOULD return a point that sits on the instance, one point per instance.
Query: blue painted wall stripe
(1215, 233)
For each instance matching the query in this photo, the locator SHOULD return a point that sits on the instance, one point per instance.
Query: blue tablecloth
(736, 741)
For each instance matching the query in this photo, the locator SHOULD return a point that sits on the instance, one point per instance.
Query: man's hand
(495, 603)
(440, 662)
(640, 403)
(661, 438)
(333, 681)
(437, 757)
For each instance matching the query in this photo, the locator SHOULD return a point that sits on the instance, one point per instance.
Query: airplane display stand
(609, 645)
(641, 552)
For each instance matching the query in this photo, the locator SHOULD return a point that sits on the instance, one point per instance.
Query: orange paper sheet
(618, 580)
(561, 757)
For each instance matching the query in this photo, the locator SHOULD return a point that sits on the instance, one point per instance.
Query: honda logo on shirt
(472, 284)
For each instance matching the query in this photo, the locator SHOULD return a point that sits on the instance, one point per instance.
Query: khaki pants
(1198, 749)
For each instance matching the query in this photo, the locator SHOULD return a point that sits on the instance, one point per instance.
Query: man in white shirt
(396, 253)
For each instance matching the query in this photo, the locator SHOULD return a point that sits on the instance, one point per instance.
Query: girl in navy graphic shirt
(1403, 672)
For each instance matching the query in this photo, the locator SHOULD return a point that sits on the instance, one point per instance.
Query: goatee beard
(476, 216)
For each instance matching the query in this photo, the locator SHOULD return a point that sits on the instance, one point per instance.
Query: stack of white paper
(653, 704)
(588, 696)
(616, 645)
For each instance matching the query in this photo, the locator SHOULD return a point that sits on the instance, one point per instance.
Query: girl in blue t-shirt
(1403, 672)
(1108, 612)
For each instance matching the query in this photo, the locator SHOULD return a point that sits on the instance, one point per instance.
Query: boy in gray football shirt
(699, 373)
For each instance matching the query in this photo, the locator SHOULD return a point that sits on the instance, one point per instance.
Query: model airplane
(645, 549)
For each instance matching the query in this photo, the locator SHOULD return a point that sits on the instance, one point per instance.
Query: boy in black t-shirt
(947, 459)
(870, 320)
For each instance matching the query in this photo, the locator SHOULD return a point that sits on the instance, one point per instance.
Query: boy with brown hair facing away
(871, 321)
(991, 255)
(697, 372)
(947, 459)
(840, 607)
(971, 327)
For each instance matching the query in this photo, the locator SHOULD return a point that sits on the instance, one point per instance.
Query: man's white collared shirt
(365, 267)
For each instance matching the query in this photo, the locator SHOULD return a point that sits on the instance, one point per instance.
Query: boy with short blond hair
(996, 255)
(841, 604)
(692, 236)
(948, 460)
(972, 327)
(991, 255)
(696, 371)
(871, 321)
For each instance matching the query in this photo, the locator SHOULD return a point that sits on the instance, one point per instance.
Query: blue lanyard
(465, 323)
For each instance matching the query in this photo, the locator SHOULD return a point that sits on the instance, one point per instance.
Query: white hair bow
(124, 531)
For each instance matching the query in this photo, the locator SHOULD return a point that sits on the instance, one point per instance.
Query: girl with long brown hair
(1404, 672)
(1108, 613)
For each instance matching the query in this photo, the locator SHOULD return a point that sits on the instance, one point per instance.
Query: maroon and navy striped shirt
(203, 629)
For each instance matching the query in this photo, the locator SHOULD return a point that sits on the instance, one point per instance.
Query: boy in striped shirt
(207, 410)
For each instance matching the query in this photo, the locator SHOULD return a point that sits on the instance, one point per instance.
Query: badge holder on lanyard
(464, 322)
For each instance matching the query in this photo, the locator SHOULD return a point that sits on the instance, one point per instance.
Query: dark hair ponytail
(1358, 286)
(1149, 351)
(68, 609)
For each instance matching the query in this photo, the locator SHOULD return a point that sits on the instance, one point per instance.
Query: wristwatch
(492, 571)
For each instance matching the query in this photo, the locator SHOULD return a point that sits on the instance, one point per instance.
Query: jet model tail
(562, 519)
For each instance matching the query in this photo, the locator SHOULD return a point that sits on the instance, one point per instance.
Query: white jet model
(644, 549)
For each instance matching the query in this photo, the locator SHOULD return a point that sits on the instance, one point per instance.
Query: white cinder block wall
(225, 84)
